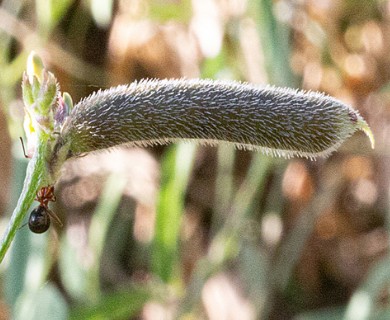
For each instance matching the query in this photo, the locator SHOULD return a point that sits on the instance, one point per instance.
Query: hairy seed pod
(274, 120)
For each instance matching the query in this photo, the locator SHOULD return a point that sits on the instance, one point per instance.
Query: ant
(39, 221)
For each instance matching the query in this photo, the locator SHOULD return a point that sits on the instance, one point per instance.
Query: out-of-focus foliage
(211, 233)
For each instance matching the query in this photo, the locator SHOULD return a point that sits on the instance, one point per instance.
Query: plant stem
(36, 176)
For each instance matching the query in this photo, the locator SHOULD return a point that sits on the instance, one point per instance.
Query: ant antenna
(23, 225)
(24, 150)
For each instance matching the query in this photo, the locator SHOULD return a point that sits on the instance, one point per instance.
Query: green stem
(36, 177)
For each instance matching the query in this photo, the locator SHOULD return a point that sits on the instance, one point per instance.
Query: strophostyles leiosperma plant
(276, 121)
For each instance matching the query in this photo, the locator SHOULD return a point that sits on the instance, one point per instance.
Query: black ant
(39, 221)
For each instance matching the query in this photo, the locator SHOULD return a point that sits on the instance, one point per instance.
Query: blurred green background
(195, 232)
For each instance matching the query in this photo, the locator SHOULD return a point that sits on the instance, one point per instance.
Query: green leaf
(105, 211)
(364, 302)
(163, 10)
(36, 177)
(45, 303)
(176, 169)
(123, 304)
(335, 313)
(17, 264)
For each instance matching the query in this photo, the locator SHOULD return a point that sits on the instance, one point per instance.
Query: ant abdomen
(39, 221)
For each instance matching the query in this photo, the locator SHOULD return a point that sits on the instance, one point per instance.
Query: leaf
(176, 168)
(45, 303)
(118, 305)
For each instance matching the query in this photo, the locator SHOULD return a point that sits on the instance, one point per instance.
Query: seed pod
(277, 121)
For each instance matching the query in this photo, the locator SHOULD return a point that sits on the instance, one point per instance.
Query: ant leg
(24, 150)
(55, 217)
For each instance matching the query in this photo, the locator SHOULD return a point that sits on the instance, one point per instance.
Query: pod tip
(362, 125)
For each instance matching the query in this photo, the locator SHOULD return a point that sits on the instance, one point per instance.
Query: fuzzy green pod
(276, 121)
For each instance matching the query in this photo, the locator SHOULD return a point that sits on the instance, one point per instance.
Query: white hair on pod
(277, 121)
